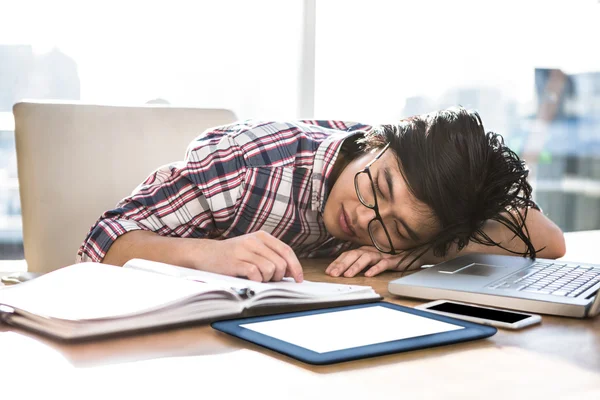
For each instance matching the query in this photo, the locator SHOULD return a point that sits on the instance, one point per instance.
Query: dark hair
(463, 174)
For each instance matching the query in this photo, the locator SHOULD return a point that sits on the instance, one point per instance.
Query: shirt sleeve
(338, 125)
(194, 198)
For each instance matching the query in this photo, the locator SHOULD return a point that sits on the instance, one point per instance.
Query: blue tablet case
(470, 332)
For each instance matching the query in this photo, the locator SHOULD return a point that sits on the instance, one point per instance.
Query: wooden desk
(555, 360)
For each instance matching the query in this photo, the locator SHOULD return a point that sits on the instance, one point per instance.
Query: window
(11, 235)
(236, 54)
(529, 67)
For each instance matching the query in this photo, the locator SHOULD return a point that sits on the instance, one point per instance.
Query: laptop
(542, 286)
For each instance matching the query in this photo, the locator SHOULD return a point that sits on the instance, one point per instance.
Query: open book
(90, 299)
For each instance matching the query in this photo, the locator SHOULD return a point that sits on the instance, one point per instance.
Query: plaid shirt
(237, 179)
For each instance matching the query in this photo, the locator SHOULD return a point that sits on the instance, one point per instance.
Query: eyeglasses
(365, 190)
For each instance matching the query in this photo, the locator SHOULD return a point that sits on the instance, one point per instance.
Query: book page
(285, 288)
(223, 281)
(316, 289)
(92, 290)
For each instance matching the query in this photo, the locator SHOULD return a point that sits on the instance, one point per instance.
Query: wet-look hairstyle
(465, 175)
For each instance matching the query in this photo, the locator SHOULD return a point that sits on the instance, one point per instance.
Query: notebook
(90, 299)
(542, 286)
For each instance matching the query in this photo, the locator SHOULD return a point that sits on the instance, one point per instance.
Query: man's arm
(544, 234)
(173, 216)
(151, 246)
(258, 256)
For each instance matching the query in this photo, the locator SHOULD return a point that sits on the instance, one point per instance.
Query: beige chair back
(76, 161)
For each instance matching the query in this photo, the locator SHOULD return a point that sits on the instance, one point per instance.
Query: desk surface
(558, 359)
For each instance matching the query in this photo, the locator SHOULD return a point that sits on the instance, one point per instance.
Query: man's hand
(352, 262)
(258, 256)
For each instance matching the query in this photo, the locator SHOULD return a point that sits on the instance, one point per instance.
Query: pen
(244, 293)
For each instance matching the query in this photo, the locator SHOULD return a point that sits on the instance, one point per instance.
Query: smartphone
(497, 317)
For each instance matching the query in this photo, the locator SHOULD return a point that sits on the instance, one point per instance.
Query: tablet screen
(347, 329)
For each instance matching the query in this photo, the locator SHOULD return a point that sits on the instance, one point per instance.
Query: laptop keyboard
(559, 279)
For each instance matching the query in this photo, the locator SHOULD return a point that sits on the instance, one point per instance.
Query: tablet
(338, 334)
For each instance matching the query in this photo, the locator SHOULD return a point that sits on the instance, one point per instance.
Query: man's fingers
(341, 264)
(366, 259)
(257, 256)
(279, 272)
(378, 268)
(271, 264)
(249, 271)
(333, 264)
(293, 267)
(266, 266)
(258, 263)
(352, 262)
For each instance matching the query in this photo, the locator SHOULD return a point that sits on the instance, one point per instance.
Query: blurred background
(531, 68)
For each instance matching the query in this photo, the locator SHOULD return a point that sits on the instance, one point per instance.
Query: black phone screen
(478, 312)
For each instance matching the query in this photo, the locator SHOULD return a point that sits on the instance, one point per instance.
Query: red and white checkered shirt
(238, 179)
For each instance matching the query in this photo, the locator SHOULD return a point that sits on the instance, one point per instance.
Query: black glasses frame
(374, 207)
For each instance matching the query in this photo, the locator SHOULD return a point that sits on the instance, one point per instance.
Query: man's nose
(364, 215)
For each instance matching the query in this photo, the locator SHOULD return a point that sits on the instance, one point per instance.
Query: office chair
(76, 161)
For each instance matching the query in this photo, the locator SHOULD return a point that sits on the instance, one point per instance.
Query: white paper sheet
(93, 290)
(350, 328)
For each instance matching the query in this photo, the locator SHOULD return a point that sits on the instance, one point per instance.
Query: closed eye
(398, 230)
(378, 187)
(378, 190)
(411, 233)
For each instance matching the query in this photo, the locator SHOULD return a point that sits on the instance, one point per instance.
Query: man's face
(407, 220)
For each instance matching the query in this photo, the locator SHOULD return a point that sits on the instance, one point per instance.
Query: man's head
(440, 180)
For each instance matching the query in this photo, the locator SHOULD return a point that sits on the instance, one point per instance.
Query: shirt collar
(325, 158)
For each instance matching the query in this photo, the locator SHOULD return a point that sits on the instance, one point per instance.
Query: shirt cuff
(102, 236)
